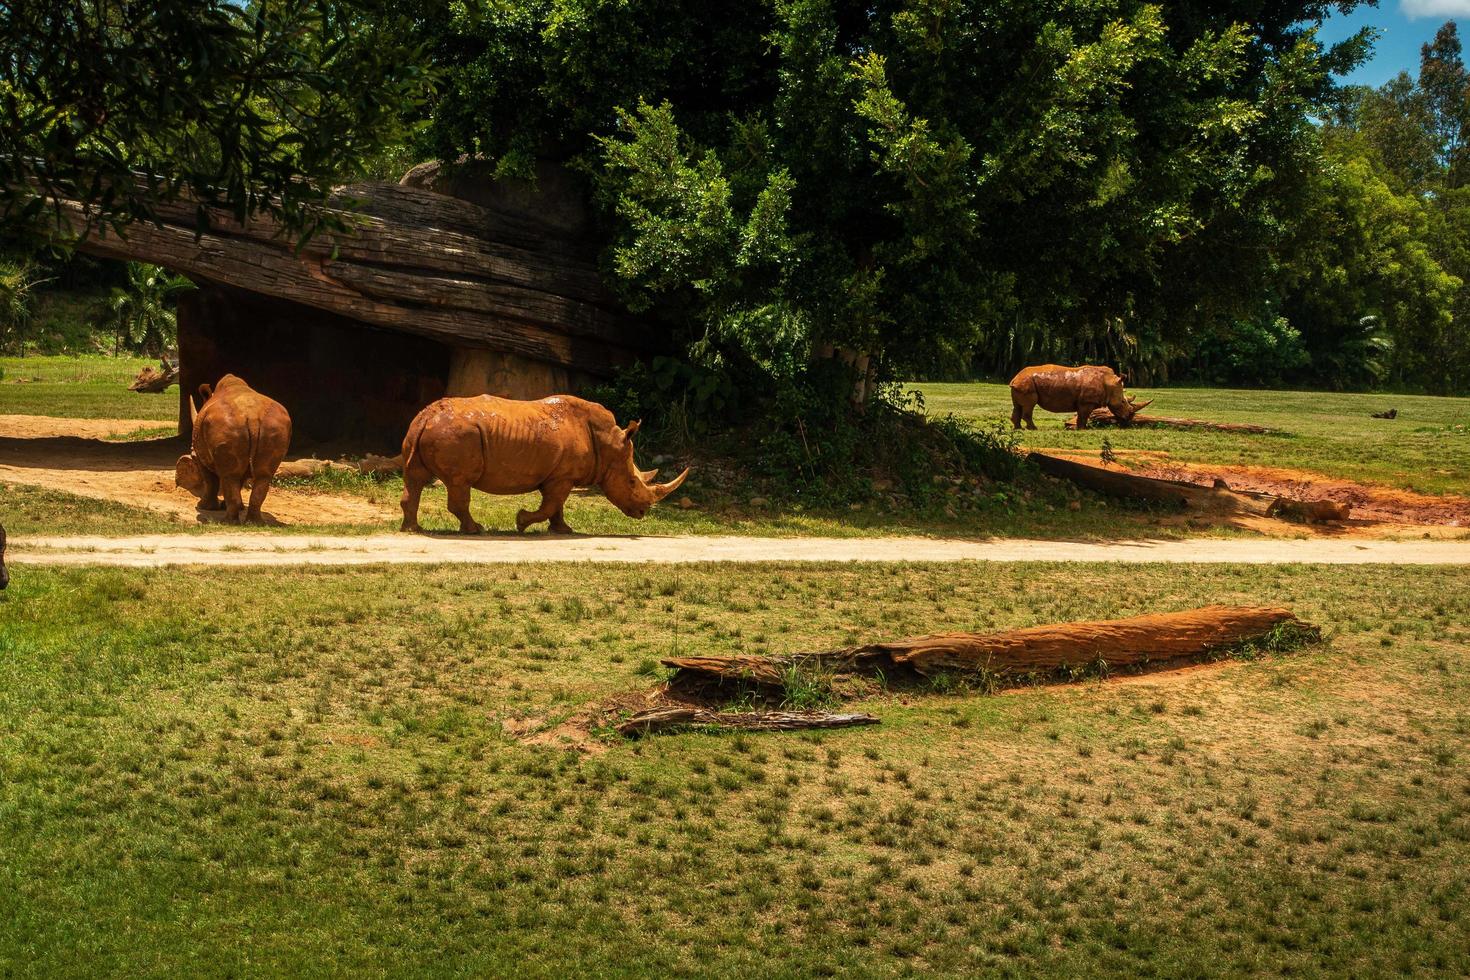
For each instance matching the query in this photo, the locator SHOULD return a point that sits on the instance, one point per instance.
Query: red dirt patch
(1371, 502)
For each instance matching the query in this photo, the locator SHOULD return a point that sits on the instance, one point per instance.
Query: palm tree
(141, 314)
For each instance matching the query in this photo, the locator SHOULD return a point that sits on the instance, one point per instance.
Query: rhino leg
(1016, 415)
(1029, 423)
(233, 504)
(258, 489)
(1084, 412)
(209, 499)
(459, 506)
(415, 478)
(553, 502)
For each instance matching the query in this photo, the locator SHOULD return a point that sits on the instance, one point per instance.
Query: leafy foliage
(18, 282)
(140, 315)
(256, 106)
(914, 180)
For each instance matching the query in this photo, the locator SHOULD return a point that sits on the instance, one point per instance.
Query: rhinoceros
(1083, 389)
(239, 435)
(503, 446)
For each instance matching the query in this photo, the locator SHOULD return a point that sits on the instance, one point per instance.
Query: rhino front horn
(662, 490)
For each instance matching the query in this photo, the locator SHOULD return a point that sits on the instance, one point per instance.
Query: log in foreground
(661, 719)
(1104, 417)
(1060, 650)
(1172, 492)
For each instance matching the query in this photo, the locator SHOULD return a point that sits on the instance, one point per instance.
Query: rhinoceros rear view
(498, 445)
(1058, 388)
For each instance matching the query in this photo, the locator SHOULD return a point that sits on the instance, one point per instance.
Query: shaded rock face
(556, 198)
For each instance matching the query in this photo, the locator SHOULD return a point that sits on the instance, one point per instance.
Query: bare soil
(1378, 511)
(71, 455)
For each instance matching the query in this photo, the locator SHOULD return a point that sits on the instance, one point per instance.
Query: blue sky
(1404, 25)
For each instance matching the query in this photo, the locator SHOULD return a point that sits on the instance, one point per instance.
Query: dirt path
(263, 549)
(72, 456)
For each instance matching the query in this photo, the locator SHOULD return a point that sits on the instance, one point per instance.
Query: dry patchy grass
(309, 771)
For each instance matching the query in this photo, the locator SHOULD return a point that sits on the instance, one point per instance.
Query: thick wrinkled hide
(1058, 388)
(240, 435)
(498, 445)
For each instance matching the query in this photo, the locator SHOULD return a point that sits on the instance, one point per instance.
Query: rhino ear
(632, 428)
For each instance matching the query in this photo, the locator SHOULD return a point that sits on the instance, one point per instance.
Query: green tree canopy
(254, 106)
(918, 179)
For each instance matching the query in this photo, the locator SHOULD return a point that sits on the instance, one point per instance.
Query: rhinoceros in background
(1070, 389)
(498, 445)
(239, 435)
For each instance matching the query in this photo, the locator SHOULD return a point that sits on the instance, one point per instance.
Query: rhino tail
(411, 441)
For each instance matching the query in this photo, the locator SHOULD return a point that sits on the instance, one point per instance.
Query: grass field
(1427, 448)
(86, 387)
(224, 772)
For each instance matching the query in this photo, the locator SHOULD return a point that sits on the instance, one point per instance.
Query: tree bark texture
(1031, 652)
(412, 261)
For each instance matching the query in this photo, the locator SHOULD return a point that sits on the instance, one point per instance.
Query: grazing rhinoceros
(497, 445)
(239, 435)
(1070, 389)
(4, 575)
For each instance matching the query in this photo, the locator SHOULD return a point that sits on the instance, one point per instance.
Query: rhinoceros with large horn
(1083, 390)
(503, 446)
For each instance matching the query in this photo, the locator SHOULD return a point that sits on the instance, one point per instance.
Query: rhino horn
(662, 490)
(193, 412)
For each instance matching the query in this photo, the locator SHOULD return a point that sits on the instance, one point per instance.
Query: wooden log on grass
(663, 719)
(1104, 417)
(1129, 486)
(1057, 650)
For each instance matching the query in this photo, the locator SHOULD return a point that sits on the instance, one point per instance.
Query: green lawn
(308, 771)
(88, 387)
(1427, 448)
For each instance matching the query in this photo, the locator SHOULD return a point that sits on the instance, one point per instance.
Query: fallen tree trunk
(1104, 417)
(1061, 649)
(153, 380)
(662, 719)
(1128, 486)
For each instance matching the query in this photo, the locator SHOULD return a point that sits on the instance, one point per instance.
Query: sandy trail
(71, 455)
(260, 549)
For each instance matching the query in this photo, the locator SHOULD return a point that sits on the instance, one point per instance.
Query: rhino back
(500, 445)
(240, 432)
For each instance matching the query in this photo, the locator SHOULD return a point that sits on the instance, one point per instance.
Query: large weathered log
(411, 261)
(661, 719)
(1102, 417)
(1116, 483)
(1037, 651)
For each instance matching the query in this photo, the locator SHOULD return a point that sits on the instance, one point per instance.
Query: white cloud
(1434, 8)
